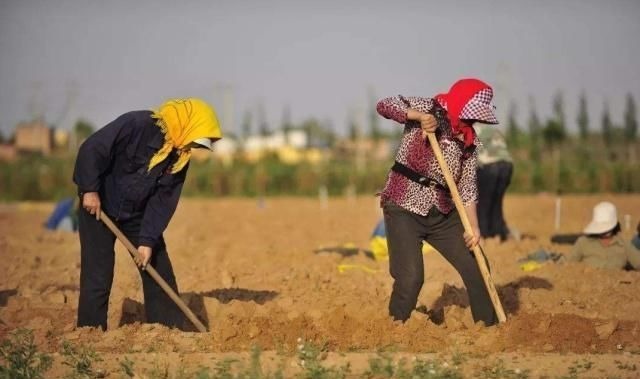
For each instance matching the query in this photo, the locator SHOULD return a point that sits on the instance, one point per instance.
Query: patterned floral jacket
(415, 153)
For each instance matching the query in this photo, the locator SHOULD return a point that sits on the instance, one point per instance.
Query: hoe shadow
(6, 294)
(508, 294)
(133, 311)
(225, 295)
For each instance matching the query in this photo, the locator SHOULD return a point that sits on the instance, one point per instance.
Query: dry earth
(251, 274)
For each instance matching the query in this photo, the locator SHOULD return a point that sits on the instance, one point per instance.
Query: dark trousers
(405, 233)
(97, 259)
(493, 180)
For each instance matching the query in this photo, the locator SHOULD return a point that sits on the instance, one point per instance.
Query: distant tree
(354, 129)
(395, 134)
(565, 178)
(82, 129)
(537, 178)
(263, 126)
(513, 129)
(534, 122)
(374, 120)
(607, 127)
(555, 132)
(264, 129)
(286, 123)
(630, 122)
(534, 134)
(2, 139)
(558, 110)
(246, 124)
(319, 134)
(583, 117)
(331, 137)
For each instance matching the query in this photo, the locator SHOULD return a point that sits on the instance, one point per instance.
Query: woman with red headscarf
(416, 202)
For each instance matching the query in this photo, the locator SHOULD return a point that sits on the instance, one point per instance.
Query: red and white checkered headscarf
(468, 99)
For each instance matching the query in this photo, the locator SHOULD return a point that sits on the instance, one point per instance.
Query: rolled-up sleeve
(395, 108)
(161, 207)
(96, 153)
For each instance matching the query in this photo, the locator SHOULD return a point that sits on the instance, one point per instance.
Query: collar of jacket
(157, 141)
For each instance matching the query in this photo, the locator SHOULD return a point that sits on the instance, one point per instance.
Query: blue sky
(321, 59)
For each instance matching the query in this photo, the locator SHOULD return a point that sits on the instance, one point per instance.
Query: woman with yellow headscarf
(133, 169)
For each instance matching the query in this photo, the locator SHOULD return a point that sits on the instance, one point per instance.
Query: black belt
(418, 178)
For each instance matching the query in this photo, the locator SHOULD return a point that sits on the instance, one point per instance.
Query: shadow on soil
(5, 295)
(133, 311)
(508, 293)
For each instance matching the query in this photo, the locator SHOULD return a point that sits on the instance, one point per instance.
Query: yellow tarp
(378, 246)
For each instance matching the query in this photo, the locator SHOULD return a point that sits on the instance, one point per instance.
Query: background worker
(603, 246)
(133, 169)
(495, 168)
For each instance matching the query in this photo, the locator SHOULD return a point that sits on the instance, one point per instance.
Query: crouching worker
(416, 202)
(133, 170)
(603, 246)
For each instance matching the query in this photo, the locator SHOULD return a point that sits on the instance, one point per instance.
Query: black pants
(493, 180)
(405, 233)
(97, 259)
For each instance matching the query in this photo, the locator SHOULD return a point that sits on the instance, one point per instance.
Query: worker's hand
(145, 256)
(428, 124)
(91, 202)
(472, 240)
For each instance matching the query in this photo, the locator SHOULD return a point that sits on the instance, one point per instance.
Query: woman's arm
(405, 109)
(472, 214)
(94, 158)
(96, 153)
(396, 108)
(468, 182)
(468, 189)
(160, 207)
(158, 213)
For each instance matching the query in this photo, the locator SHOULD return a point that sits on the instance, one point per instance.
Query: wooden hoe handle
(480, 259)
(153, 273)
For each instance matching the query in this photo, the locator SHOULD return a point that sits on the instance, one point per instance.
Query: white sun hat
(605, 218)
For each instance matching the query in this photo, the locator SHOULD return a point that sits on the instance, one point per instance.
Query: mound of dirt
(251, 275)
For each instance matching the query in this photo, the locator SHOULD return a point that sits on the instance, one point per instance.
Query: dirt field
(251, 274)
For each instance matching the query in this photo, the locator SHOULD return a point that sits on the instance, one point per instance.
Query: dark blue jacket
(114, 162)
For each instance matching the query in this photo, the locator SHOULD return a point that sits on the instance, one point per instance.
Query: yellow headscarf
(183, 121)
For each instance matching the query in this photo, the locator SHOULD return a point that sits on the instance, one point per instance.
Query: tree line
(598, 158)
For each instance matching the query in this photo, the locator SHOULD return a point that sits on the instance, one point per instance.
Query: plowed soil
(250, 272)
